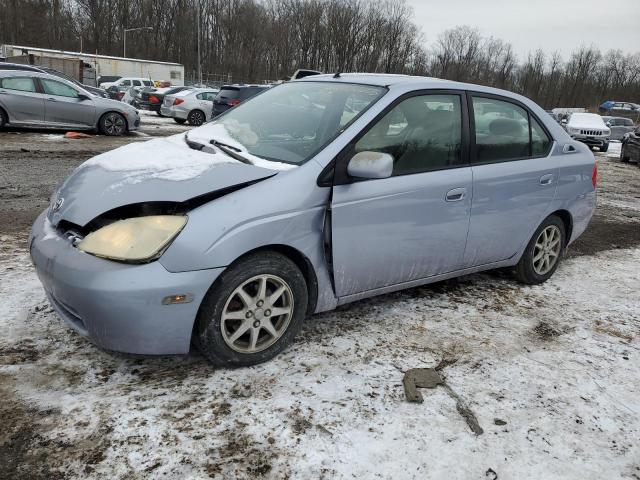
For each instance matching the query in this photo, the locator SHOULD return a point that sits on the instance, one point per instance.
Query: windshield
(291, 122)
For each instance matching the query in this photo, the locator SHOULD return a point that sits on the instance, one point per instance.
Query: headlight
(136, 239)
(607, 131)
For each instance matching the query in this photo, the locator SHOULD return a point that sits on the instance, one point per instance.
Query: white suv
(589, 128)
(126, 82)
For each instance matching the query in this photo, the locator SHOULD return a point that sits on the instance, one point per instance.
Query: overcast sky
(552, 25)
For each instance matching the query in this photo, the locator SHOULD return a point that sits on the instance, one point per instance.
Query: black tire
(208, 332)
(159, 114)
(196, 118)
(3, 118)
(525, 271)
(604, 148)
(179, 120)
(112, 124)
(623, 157)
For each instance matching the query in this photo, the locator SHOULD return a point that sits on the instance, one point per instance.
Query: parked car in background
(152, 98)
(192, 105)
(100, 92)
(619, 126)
(227, 239)
(127, 82)
(108, 79)
(630, 151)
(34, 99)
(231, 95)
(589, 128)
(611, 106)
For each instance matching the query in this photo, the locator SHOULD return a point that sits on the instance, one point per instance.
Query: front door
(62, 105)
(21, 100)
(514, 179)
(414, 224)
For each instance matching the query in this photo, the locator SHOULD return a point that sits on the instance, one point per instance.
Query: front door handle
(51, 99)
(546, 179)
(456, 194)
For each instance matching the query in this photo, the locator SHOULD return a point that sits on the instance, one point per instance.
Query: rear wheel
(252, 312)
(113, 124)
(196, 118)
(159, 114)
(180, 120)
(542, 255)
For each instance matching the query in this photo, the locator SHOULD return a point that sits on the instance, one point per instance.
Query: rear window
(228, 93)
(250, 92)
(21, 84)
(627, 122)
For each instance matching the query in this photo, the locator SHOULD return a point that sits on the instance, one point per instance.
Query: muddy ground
(549, 371)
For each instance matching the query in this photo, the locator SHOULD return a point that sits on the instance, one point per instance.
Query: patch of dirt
(546, 331)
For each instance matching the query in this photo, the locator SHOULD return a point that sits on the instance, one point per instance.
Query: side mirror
(82, 96)
(370, 165)
(608, 124)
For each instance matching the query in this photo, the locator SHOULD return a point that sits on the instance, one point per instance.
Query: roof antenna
(337, 75)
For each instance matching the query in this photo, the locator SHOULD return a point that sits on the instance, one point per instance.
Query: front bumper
(591, 141)
(133, 121)
(117, 306)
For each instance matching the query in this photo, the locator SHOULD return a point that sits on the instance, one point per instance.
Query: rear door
(414, 224)
(64, 107)
(514, 178)
(21, 100)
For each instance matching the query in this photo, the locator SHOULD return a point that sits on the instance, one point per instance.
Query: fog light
(174, 299)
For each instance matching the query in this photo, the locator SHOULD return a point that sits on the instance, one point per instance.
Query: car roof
(239, 87)
(20, 66)
(22, 73)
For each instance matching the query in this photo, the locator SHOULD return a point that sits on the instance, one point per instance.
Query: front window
(52, 87)
(291, 122)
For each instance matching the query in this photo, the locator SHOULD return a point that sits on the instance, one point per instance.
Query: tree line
(258, 40)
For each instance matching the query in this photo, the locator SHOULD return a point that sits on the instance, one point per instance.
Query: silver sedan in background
(194, 106)
(32, 99)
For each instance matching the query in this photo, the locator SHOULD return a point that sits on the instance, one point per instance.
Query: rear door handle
(546, 179)
(51, 99)
(456, 194)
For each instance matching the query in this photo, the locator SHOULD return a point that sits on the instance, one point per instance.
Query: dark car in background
(52, 71)
(630, 151)
(231, 95)
(619, 126)
(150, 98)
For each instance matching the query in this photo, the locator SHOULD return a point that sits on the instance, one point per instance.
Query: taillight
(178, 101)
(233, 103)
(594, 175)
(153, 99)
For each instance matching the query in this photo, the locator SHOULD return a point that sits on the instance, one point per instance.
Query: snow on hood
(586, 120)
(163, 158)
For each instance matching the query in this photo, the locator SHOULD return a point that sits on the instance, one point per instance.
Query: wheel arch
(567, 219)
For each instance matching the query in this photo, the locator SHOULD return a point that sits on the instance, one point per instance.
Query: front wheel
(252, 312)
(3, 118)
(113, 124)
(604, 148)
(542, 255)
(196, 118)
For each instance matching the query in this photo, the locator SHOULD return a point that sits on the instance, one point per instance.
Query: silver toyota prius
(316, 193)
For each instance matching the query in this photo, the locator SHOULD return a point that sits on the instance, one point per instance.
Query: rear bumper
(173, 112)
(154, 107)
(117, 306)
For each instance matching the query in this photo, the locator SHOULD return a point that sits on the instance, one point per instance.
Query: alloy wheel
(114, 124)
(546, 251)
(196, 118)
(257, 313)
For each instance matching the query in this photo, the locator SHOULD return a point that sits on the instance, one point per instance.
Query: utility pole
(198, 47)
(124, 37)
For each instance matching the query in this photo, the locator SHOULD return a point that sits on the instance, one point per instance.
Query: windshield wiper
(201, 147)
(231, 151)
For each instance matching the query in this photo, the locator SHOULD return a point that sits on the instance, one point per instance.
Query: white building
(105, 65)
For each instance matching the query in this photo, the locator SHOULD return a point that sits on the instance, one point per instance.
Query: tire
(226, 325)
(179, 120)
(604, 148)
(623, 158)
(528, 269)
(196, 118)
(113, 124)
(3, 118)
(159, 114)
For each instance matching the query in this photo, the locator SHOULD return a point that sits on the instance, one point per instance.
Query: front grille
(592, 133)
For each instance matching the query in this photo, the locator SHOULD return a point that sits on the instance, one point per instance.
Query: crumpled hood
(161, 170)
